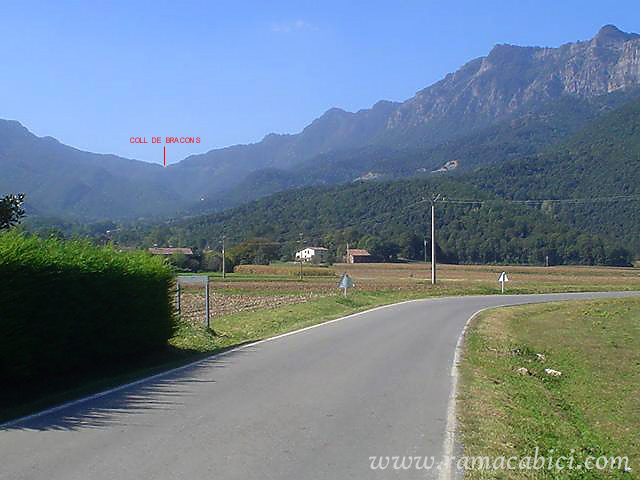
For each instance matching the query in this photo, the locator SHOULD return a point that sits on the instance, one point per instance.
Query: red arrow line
(164, 154)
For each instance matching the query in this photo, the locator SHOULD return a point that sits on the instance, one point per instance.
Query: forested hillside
(603, 160)
(387, 217)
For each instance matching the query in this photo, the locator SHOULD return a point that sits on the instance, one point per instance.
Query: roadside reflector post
(503, 278)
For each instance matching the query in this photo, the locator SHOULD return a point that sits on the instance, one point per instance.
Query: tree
(387, 250)
(257, 251)
(620, 257)
(179, 260)
(412, 246)
(11, 210)
(212, 262)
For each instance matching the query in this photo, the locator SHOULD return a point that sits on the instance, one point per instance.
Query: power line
(438, 198)
(381, 216)
(466, 201)
(614, 198)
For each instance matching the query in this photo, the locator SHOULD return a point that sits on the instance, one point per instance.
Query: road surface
(312, 405)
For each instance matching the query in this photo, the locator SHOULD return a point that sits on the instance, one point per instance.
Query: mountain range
(488, 214)
(515, 102)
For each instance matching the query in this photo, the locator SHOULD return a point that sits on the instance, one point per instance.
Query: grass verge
(592, 409)
(243, 327)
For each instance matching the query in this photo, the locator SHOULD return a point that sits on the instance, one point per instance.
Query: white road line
(446, 471)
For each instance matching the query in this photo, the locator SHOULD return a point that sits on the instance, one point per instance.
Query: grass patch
(238, 328)
(592, 409)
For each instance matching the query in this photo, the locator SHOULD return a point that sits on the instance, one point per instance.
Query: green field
(593, 408)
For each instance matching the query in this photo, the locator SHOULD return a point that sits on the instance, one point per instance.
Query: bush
(11, 210)
(258, 251)
(179, 260)
(212, 262)
(69, 307)
(619, 257)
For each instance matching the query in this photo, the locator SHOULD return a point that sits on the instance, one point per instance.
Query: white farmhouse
(313, 255)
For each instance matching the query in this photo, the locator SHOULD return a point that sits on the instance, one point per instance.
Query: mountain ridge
(509, 84)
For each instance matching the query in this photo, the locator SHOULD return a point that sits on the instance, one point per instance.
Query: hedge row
(70, 307)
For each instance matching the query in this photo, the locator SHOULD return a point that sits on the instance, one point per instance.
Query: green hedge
(69, 307)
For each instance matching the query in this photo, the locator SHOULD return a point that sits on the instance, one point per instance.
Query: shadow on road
(168, 392)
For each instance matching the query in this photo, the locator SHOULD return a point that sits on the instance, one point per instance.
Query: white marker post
(503, 278)
(346, 282)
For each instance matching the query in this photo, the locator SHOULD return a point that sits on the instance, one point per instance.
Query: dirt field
(520, 275)
(259, 287)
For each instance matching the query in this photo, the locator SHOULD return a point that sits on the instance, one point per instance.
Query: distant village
(311, 255)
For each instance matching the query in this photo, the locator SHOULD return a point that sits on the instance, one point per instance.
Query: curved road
(315, 404)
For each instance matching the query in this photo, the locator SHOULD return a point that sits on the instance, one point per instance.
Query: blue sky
(95, 73)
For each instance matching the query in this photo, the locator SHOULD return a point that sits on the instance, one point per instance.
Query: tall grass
(69, 307)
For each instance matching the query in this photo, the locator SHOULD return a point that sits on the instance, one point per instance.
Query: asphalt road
(312, 405)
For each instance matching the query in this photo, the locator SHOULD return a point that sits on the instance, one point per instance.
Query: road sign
(203, 280)
(503, 278)
(346, 282)
(193, 279)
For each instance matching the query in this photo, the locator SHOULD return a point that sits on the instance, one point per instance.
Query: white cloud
(292, 26)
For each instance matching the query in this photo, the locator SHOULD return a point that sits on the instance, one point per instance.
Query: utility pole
(434, 199)
(223, 265)
(300, 256)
